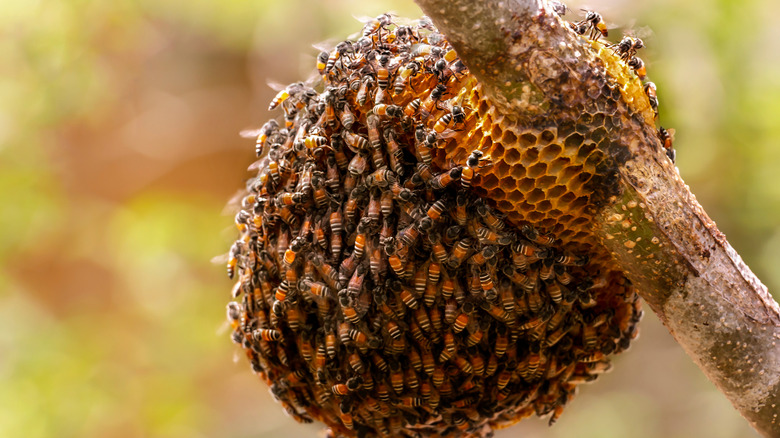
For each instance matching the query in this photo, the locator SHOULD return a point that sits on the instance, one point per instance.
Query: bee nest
(409, 264)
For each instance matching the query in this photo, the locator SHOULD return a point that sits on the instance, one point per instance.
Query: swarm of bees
(377, 291)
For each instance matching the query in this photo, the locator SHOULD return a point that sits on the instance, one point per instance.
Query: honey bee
(473, 162)
(593, 21)
(421, 145)
(341, 50)
(409, 70)
(377, 25)
(636, 64)
(322, 62)
(667, 138)
(627, 47)
(268, 335)
(364, 91)
(652, 96)
(459, 252)
(431, 102)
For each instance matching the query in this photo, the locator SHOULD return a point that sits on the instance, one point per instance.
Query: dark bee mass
(377, 291)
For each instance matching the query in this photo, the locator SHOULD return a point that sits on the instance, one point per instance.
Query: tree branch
(537, 72)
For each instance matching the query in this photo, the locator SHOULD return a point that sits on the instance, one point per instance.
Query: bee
(342, 49)
(364, 91)
(382, 73)
(473, 162)
(463, 318)
(409, 70)
(295, 247)
(392, 111)
(568, 259)
(533, 235)
(377, 25)
(652, 96)
(356, 143)
(439, 251)
(322, 62)
(589, 337)
(412, 107)
(638, 66)
(408, 298)
(421, 145)
(431, 102)
(283, 95)
(667, 138)
(346, 117)
(593, 21)
(459, 252)
(627, 47)
(449, 349)
(424, 50)
(268, 335)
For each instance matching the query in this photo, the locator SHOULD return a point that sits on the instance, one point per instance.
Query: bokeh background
(119, 149)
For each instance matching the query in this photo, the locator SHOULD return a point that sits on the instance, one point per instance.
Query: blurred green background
(119, 148)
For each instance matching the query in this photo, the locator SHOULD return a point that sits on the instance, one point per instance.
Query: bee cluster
(377, 291)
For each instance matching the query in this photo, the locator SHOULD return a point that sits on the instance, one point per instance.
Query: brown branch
(534, 69)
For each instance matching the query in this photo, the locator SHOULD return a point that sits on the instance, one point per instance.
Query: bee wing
(250, 133)
(327, 45)
(363, 18)
(220, 259)
(637, 32)
(276, 86)
(671, 132)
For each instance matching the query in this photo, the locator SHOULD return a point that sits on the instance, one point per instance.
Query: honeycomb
(413, 263)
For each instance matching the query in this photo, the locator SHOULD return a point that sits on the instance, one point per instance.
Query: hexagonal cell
(548, 224)
(514, 196)
(505, 205)
(525, 207)
(568, 173)
(546, 181)
(535, 196)
(537, 170)
(535, 216)
(550, 152)
(530, 156)
(554, 213)
(598, 134)
(482, 109)
(508, 183)
(547, 136)
(497, 194)
(496, 132)
(543, 206)
(512, 155)
(518, 171)
(497, 153)
(528, 139)
(509, 138)
(586, 149)
(558, 165)
(578, 203)
(556, 192)
(489, 182)
(501, 169)
(565, 200)
(573, 143)
(566, 218)
(525, 185)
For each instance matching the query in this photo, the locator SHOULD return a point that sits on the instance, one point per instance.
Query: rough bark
(650, 223)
